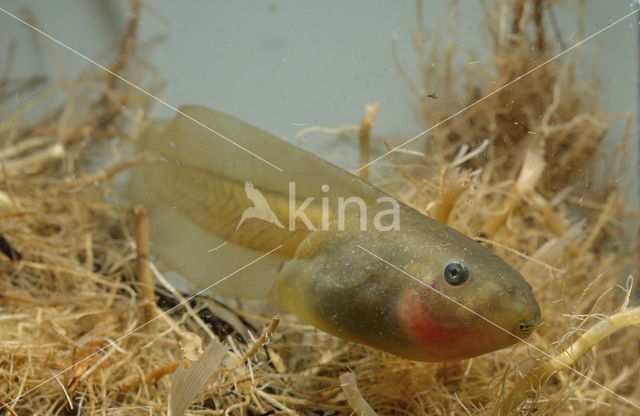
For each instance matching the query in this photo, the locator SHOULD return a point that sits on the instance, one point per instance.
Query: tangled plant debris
(77, 281)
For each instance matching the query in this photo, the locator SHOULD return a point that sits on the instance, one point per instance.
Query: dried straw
(75, 275)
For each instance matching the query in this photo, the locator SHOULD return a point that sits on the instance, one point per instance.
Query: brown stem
(147, 285)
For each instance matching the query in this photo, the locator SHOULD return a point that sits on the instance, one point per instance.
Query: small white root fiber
(353, 396)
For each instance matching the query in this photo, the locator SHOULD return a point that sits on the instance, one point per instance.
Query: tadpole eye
(456, 272)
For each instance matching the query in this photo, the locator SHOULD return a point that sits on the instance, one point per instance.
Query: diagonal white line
(142, 90)
(215, 248)
(498, 89)
(111, 344)
(449, 298)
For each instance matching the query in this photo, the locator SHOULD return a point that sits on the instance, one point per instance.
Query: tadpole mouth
(527, 326)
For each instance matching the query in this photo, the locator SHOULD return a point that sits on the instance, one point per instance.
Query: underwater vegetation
(91, 324)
